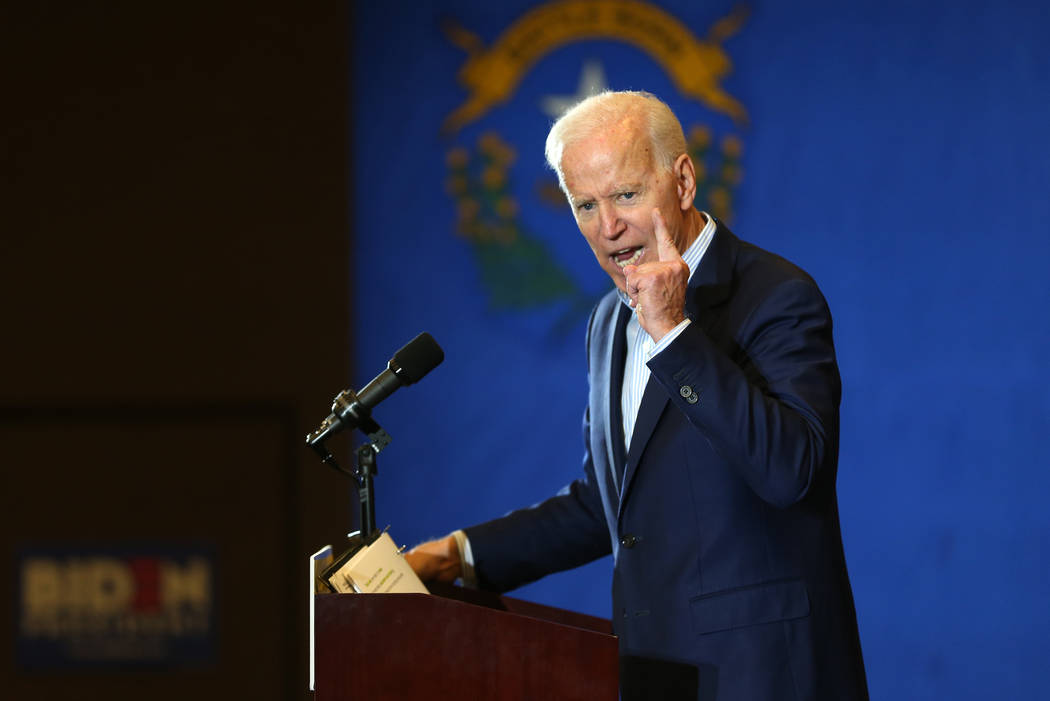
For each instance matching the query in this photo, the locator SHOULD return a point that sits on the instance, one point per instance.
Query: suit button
(692, 398)
(628, 541)
(685, 391)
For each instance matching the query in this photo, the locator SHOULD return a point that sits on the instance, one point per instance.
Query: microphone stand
(347, 408)
(366, 469)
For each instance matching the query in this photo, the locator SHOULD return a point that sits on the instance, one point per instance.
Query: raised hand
(657, 288)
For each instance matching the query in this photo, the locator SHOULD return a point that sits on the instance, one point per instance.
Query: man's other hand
(436, 560)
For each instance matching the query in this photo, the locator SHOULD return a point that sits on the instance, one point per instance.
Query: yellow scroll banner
(695, 66)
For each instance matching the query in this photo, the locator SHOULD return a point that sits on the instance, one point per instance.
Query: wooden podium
(462, 645)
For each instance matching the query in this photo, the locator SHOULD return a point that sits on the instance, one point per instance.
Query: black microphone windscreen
(418, 357)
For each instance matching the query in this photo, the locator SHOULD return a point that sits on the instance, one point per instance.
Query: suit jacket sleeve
(767, 401)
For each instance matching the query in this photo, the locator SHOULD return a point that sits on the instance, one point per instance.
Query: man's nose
(609, 224)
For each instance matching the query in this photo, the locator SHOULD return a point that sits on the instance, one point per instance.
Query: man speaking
(711, 439)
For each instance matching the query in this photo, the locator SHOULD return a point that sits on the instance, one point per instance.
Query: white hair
(604, 110)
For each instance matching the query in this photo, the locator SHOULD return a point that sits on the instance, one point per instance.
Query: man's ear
(685, 180)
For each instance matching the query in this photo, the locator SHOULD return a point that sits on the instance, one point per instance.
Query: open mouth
(628, 256)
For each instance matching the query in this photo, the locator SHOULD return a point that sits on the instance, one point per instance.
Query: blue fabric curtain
(898, 151)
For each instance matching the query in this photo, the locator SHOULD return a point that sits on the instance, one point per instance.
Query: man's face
(613, 185)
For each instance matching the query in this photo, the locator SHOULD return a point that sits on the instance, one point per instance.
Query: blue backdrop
(896, 150)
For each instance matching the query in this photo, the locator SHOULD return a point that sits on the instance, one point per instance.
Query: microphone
(408, 366)
(353, 409)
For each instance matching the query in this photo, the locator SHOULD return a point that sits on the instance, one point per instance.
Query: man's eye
(627, 195)
(587, 206)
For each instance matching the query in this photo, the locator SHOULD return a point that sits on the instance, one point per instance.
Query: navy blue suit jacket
(729, 579)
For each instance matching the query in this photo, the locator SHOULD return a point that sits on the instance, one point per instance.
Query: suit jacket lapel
(654, 402)
(614, 441)
(711, 284)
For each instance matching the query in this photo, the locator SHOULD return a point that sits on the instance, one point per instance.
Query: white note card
(377, 569)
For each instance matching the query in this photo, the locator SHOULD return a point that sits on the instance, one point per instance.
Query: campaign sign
(112, 606)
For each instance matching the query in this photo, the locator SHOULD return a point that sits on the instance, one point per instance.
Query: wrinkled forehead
(624, 144)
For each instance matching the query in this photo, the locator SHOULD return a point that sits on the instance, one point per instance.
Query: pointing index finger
(666, 249)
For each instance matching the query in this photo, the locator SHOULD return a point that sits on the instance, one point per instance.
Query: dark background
(175, 297)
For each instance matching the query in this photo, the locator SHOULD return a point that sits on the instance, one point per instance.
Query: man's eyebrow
(613, 192)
